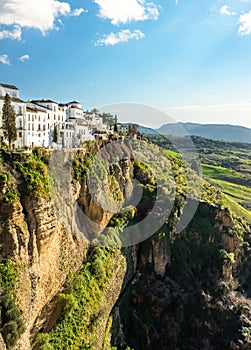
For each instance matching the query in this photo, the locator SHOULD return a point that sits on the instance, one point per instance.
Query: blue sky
(191, 59)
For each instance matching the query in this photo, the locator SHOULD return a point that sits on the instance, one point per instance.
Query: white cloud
(122, 36)
(14, 34)
(32, 13)
(4, 59)
(24, 58)
(244, 107)
(78, 12)
(225, 10)
(232, 113)
(245, 24)
(124, 11)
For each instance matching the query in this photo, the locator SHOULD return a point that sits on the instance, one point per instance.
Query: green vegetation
(236, 209)
(83, 160)
(81, 304)
(227, 166)
(241, 193)
(123, 219)
(199, 250)
(31, 169)
(8, 188)
(9, 121)
(198, 255)
(55, 134)
(35, 175)
(225, 180)
(218, 172)
(12, 324)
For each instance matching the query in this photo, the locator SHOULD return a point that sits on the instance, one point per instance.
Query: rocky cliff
(188, 293)
(174, 290)
(44, 253)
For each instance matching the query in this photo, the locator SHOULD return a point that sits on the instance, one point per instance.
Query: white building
(37, 120)
(74, 110)
(95, 121)
(19, 107)
(38, 127)
(66, 135)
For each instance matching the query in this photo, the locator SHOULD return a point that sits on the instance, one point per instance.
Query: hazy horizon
(188, 59)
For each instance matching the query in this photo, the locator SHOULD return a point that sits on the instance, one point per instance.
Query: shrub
(11, 314)
(7, 184)
(35, 175)
(10, 334)
(80, 302)
(67, 303)
(42, 341)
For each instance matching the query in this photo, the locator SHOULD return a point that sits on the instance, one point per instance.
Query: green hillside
(227, 166)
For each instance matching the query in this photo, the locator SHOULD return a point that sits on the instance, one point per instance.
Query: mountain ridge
(224, 132)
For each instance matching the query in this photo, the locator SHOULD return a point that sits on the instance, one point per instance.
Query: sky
(189, 59)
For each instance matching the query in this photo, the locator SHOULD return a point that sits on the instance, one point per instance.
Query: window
(29, 126)
(33, 117)
(39, 118)
(39, 126)
(32, 127)
(48, 126)
(54, 116)
(29, 117)
(43, 127)
(20, 134)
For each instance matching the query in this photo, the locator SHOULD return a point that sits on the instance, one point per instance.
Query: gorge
(187, 289)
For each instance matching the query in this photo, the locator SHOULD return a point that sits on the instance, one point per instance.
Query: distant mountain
(143, 129)
(225, 132)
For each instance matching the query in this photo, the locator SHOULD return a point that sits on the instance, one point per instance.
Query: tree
(95, 110)
(133, 129)
(9, 121)
(115, 128)
(55, 134)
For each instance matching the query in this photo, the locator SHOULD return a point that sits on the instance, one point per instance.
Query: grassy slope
(226, 166)
(229, 182)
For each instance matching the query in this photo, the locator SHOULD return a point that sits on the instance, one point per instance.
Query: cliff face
(184, 290)
(44, 252)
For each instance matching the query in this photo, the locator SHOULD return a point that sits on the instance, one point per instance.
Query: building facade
(46, 123)
(18, 106)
